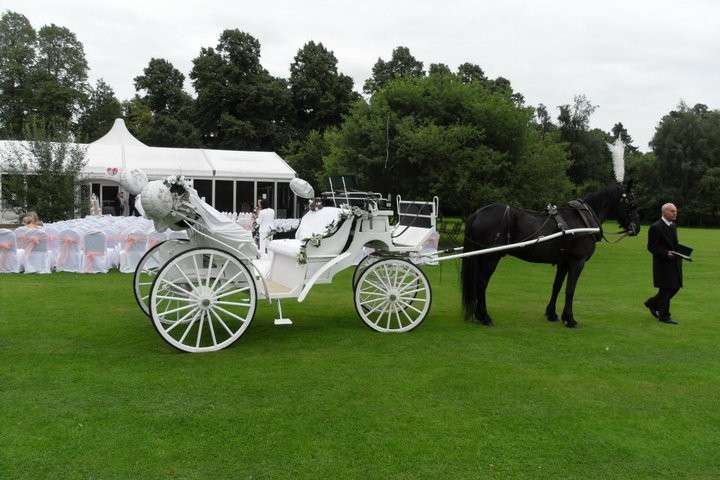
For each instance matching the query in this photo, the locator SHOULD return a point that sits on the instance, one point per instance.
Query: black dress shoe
(653, 312)
(668, 320)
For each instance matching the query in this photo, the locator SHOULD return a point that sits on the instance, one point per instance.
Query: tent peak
(119, 135)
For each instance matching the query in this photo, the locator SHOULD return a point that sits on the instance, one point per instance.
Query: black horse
(498, 224)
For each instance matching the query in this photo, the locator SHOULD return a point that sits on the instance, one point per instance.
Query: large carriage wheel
(203, 300)
(392, 295)
(148, 267)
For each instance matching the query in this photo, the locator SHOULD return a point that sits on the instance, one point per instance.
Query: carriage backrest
(417, 214)
(317, 222)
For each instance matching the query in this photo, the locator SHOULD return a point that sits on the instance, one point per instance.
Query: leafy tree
(43, 173)
(163, 87)
(98, 114)
(170, 121)
(421, 136)
(439, 69)
(544, 120)
(320, 95)
(306, 157)
(17, 57)
(618, 130)
(239, 104)
(470, 72)
(59, 76)
(687, 146)
(591, 163)
(709, 192)
(138, 117)
(401, 64)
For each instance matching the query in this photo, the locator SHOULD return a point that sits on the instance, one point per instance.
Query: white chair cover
(8, 252)
(133, 248)
(36, 257)
(156, 237)
(95, 254)
(69, 257)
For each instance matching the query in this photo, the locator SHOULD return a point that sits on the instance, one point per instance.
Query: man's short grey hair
(666, 206)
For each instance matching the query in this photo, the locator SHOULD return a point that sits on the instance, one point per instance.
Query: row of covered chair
(46, 249)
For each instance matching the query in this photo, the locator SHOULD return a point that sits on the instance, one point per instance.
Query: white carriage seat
(314, 222)
(68, 258)
(9, 262)
(37, 257)
(223, 228)
(411, 236)
(96, 255)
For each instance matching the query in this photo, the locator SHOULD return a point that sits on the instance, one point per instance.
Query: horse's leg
(487, 268)
(560, 273)
(574, 270)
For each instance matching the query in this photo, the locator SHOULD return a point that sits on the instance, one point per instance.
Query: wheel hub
(393, 297)
(204, 297)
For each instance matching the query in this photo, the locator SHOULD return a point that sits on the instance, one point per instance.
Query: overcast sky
(635, 59)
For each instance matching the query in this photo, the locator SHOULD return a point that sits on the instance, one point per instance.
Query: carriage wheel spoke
(370, 292)
(168, 312)
(180, 320)
(212, 329)
(238, 304)
(197, 270)
(210, 266)
(227, 312)
(199, 334)
(222, 322)
(177, 299)
(406, 315)
(229, 282)
(373, 300)
(222, 270)
(177, 266)
(417, 290)
(382, 289)
(233, 292)
(410, 306)
(189, 327)
(178, 288)
(408, 286)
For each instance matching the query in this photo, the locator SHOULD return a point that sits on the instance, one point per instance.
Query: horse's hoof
(551, 317)
(571, 323)
(487, 321)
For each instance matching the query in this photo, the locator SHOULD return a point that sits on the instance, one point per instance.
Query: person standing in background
(667, 264)
(119, 204)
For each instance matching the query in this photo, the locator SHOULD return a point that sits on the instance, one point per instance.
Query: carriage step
(281, 320)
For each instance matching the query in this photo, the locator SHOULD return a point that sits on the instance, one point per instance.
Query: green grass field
(89, 390)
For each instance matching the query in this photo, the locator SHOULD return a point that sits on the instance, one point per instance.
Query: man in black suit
(667, 266)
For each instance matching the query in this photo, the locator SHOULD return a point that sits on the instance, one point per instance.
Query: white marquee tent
(229, 180)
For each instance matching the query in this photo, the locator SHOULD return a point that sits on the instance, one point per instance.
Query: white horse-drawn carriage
(202, 293)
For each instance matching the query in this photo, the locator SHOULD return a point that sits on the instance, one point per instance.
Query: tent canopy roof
(119, 149)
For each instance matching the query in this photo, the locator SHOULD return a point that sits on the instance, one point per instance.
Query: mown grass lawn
(88, 389)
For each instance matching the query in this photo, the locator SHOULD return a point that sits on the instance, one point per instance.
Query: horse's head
(627, 210)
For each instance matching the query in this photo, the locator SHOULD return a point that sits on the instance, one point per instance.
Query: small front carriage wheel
(203, 300)
(392, 295)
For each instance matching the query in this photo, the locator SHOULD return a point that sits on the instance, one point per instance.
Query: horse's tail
(469, 271)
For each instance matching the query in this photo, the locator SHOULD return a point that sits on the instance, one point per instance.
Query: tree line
(458, 134)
